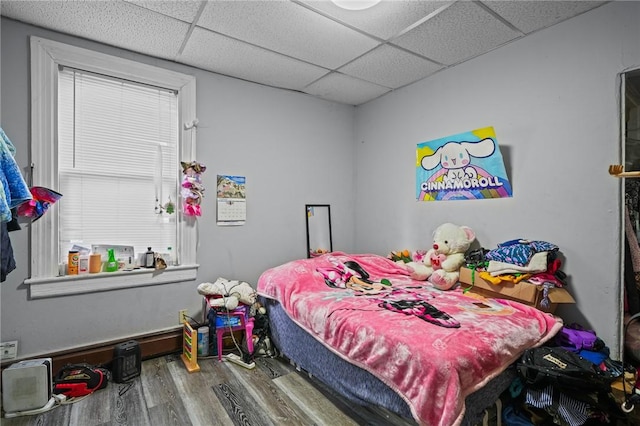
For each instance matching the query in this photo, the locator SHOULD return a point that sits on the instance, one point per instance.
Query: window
(117, 162)
(106, 133)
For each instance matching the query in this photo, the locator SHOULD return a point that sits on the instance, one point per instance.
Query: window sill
(105, 281)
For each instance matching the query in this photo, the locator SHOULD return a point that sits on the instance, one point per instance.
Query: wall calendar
(231, 201)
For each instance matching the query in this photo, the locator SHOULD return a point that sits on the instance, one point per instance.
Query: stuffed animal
(192, 189)
(441, 265)
(228, 293)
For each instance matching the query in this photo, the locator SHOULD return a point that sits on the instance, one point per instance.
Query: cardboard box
(523, 292)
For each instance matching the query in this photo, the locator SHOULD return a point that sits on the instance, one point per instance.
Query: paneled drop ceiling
(308, 46)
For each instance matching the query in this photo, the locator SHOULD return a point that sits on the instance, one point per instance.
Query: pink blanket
(432, 367)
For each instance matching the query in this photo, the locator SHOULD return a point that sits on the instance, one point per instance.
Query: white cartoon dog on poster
(455, 157)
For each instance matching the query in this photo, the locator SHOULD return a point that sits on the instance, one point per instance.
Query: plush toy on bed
(228, 293)
(441, 265)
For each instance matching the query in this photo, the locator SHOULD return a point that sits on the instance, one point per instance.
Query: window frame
(46, 57)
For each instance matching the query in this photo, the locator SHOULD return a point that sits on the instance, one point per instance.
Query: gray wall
(553, 100)
(293, 150)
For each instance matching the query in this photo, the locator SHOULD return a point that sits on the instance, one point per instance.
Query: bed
(437, 357)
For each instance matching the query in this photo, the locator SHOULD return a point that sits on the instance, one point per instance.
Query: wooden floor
(221, 393)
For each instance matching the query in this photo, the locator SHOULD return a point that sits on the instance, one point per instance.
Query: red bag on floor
(80, 380)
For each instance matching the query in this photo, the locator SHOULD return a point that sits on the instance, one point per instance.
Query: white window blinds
(117, 162)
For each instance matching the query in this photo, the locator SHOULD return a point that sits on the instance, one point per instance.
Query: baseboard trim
(151, 345)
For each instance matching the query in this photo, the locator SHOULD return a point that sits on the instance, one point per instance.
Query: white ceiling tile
(184, 10)
(344, 89)
(391, 67)
(529, 16)
(384, 20)
(460, 32)
(287, 28)
(230, 57)
(115, 23)
(305, 32)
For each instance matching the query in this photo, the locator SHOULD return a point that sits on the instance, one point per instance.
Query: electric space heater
(126, 361)
(27, 385)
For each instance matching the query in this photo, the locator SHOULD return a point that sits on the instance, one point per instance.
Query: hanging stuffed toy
(192, 188)
(36, 207)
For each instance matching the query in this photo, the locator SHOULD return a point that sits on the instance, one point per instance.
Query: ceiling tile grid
(390, 67)
(462, 31)
(118, 23)
(287, 28)
(345, 89)
(529, 16)
(184, 10)
(310, 46)
(385, 20)
(227, 56)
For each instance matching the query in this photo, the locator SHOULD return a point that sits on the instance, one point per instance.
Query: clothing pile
(17, 200)
(570, 381)
(537, 262)
(13, 192)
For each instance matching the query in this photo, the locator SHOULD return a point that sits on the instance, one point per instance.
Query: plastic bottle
(149, 258)
(95, 263)
(112, 263)
(203, 341)
(73, 260)
(83, 264)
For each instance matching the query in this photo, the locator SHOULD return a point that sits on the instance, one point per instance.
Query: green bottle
(112, 263)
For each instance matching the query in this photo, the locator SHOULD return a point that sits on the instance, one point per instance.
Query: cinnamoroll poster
(466, 166)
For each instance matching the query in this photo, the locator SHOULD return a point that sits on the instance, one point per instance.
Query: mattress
(358, 385)
(432, 348)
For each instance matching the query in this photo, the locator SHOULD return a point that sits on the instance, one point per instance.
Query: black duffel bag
(542, 366)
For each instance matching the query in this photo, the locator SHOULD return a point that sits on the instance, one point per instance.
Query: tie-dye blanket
(432, 367)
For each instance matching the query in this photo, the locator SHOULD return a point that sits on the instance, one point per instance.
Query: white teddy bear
(441, 264)
(230, 293)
